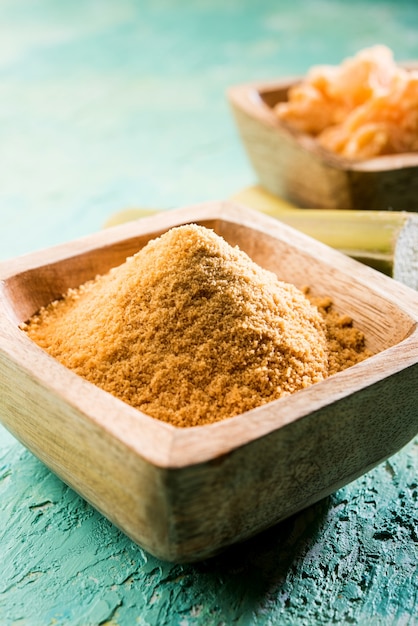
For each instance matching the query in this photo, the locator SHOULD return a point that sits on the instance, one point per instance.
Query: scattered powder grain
(190, 331)
(346, 344)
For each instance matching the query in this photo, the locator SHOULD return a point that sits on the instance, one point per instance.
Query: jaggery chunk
(365, 107)
(189, 330)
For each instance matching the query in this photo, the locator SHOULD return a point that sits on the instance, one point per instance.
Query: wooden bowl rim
(160, 443)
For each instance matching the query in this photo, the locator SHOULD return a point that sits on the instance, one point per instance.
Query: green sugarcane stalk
(384, 240)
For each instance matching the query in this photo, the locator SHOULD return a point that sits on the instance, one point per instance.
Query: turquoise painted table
(109, 105)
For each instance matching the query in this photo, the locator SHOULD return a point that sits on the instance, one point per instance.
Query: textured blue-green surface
(107, 105)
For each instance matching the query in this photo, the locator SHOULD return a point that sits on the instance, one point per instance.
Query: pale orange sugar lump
(363, 108)
(189, 330)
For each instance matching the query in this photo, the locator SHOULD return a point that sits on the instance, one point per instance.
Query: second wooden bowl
(186, 493)
(293, 165)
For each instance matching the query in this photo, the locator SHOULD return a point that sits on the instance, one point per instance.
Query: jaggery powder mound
(189, 330)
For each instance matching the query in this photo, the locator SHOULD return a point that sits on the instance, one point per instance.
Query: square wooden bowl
(293, 165)
(186, 493)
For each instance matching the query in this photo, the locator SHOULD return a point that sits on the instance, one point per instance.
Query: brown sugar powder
(346, 344)
(190, 331)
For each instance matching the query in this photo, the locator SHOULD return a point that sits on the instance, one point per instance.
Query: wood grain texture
(292, 165)
(180, 493)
